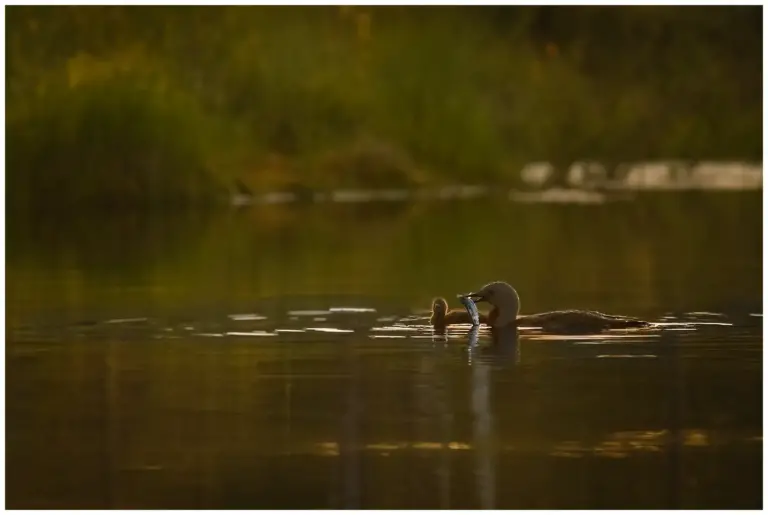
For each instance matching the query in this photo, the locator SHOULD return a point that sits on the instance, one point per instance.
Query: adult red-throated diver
(505, 310)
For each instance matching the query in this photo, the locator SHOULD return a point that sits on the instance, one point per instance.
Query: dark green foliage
(107, 143)
(159, 104)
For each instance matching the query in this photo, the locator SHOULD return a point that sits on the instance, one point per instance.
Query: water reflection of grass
(675, 251)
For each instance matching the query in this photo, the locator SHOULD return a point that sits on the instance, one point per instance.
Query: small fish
(469, 304)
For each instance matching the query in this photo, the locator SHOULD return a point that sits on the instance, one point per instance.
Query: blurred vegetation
(158, 105)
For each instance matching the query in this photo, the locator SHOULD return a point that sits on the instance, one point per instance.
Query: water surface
(279, 357)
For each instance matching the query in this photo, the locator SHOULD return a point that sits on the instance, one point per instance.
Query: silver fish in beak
(471, 308)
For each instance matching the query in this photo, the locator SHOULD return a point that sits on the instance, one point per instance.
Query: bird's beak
(477, 297)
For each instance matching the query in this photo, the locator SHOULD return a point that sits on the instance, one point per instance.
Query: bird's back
(576, 320)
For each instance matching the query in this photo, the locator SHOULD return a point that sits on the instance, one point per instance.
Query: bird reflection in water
(504, 348)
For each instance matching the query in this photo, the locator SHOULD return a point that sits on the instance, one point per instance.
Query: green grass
(128, 105)
(117, 140)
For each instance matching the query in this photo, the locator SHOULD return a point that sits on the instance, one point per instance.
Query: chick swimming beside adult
(443, 316)
(505, 310)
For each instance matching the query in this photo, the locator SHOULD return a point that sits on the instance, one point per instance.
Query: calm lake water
(279, 357)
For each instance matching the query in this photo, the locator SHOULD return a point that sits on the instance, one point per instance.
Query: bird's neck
(494, 315)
